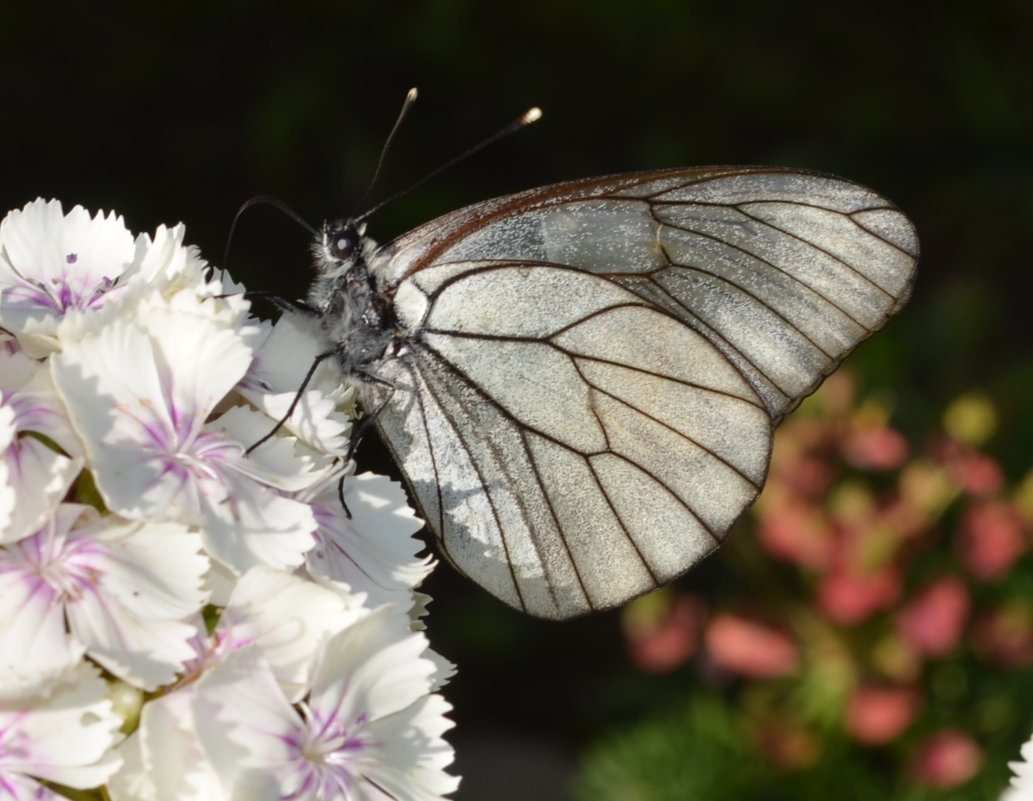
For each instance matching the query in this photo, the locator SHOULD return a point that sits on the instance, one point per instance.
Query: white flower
(141, 532)
(33, 472)
(283, 617)
(52, 264)
(1021, 786)
(140, 393)
(64, 276)
(64, 738)
(370, 729)
(374, 552)
(115, 590)
(288, 618)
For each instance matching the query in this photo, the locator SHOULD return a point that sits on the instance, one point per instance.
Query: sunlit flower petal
(122, 589)
(140, 394)
(374, 552)
(52, 263)
(370, 725)
(64, 738)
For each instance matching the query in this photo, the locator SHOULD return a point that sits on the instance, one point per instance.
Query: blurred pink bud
(810, 475)
(974, 472)
(875, 448)
(849, 597)
(946, 759)
(788, 745)
(661, 645)
(992, 536)
(796, 532)
(932, 622)
(877, 715)
(749, 648)
(1005, 636)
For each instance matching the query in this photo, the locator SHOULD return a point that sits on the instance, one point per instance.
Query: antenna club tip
(531, 115)
(411, 94)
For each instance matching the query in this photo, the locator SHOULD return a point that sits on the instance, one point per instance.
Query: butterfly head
(339, 246)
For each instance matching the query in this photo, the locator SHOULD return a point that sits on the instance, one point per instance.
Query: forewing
(571, 445)
(784, 272)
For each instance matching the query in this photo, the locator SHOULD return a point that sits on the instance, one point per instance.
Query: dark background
(181, 111)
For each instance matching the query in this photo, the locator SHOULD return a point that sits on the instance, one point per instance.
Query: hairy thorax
(356, 319)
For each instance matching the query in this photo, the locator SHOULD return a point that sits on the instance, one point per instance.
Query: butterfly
(580, 382)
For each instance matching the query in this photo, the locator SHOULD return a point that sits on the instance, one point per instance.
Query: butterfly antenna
(407, 104)
(525, 119)
(268, 200)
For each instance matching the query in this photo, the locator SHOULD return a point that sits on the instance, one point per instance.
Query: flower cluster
(184, 613)
(884, 587)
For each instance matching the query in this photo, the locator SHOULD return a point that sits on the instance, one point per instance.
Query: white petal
(275, 462)
(54, 262)
(131, 396)
(164, 758)
(36, 651)
(289, 619)
(148, 586)
(245, 725)
(373, 668)
(277, 373)
(40, 478)
(249, 525)
(373, 552)
(67, 737)
(417, 755)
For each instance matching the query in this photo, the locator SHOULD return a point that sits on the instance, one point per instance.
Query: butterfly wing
(593, 369)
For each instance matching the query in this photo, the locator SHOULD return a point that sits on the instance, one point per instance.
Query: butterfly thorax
(355, 317)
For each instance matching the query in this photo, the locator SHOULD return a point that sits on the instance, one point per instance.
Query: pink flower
(797, 532)
(992, 537)
(974, 472)
(932, 622)
(875, 448)
(660, 646)
(750, 649)
(849, 597)
(877, 715)
(946, 759)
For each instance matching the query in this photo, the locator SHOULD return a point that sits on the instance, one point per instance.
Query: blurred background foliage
(799, 662)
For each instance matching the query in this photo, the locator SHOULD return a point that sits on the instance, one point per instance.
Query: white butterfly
(580, 381)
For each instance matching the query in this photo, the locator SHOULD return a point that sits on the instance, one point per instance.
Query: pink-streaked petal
(156, 569)
(120, 387)
(66, 737)
(204, 354)
(41, 410)
(146, 654)
(372, 669)
(52, 264)
(246, 725)
(246, 525)
(374, 552)
(40, 478)
(39, 239)
(8, 496)
(416, 756)
(289, 619)
(35, 648)
(138, 622)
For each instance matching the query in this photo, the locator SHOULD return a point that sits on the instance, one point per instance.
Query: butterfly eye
(342, 241)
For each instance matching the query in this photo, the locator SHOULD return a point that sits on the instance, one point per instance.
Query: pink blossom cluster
(878, 565)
